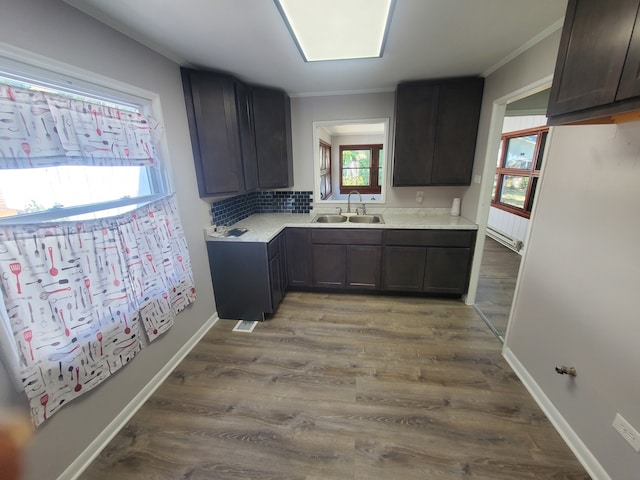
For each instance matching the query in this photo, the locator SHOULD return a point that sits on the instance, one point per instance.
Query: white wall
(306, 110)
(57, 31)
(577, 300)
(513, 225)
(522, 122)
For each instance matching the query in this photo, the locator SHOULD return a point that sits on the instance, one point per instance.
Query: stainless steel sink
(366, 219)
(328, 218)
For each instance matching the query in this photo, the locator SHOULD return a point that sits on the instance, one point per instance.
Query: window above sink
(367, 174)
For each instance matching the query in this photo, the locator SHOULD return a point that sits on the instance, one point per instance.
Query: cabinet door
(282, 246)
(630, 81)
(275, 280)
(247, 138)
(416, 113)
(457, 128)
(211, 108)
(239, 271)
(592, 52)
(328, 266)
(364, 264)
(277, 270)
(447, 270)
(298, 257)
(404, 268)
(272, 129)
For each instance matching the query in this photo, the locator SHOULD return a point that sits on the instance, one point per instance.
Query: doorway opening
(514, 173)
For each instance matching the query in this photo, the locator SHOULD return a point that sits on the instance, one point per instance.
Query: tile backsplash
(232, 210)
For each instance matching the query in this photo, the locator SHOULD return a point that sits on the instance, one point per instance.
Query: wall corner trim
(79, 465)
(580, 450)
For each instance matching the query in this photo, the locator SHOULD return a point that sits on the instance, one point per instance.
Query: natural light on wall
(73, 154)
(337, 29)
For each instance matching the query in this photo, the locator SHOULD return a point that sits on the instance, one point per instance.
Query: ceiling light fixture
(337, 29)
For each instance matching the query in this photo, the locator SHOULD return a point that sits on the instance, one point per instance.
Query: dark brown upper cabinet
(247, 136)
(597, 74)
(240, 135)
(221, 136)
(436, 130)
(272, 126)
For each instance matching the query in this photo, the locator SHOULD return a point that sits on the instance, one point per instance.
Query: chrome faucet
(349, 199)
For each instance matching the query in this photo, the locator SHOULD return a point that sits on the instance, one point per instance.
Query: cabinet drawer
(339, 236)
(427, 238)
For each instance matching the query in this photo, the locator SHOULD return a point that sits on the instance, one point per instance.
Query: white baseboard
(89, 454)
(580, 450)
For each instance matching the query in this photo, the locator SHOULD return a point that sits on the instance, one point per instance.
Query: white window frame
(26, 66)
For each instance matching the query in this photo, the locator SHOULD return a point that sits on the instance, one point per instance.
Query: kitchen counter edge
(263, 227)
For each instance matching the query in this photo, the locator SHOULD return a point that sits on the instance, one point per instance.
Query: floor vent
(245, 326)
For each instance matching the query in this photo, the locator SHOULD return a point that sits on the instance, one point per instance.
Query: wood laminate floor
(343, 387)
(497, 283)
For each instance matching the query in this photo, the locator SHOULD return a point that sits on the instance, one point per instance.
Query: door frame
(488, 173)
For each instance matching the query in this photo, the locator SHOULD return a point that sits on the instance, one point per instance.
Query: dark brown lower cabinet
(364, 267)
(394, 260)
(404, 268)
(241, 280)
(277, 268)
(447, 270)
(428, 261)
(298, 257)
(275, 277)
(346, 258)
(329, 265)
(356, 267)
(251, 278)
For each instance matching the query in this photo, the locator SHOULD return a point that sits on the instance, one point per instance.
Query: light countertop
(262, 227)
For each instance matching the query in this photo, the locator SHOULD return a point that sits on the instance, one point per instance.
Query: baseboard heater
(506, 240)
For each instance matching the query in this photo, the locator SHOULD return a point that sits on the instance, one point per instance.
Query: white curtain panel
(39, 129)
(77, 296)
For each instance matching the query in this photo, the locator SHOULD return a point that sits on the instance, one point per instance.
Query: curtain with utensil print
(77, 296)
(42, 129)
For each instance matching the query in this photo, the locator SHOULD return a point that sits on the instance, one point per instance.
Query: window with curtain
(82, 296)
(73, 153)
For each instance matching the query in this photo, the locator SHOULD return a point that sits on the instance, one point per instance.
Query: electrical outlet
(477, 179)
(419, 197)
(629, 433)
